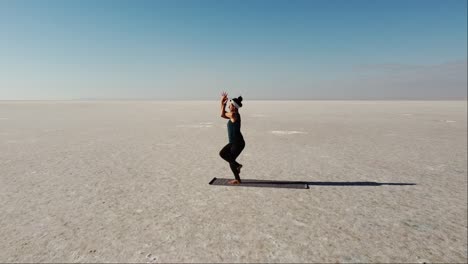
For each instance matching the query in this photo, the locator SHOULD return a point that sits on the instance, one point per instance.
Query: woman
(236, 141)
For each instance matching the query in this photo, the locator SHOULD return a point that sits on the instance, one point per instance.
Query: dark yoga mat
(261, 183)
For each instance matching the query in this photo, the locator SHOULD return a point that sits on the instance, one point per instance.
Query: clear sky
(193, 49)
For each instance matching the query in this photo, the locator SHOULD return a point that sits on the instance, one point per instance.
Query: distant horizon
(262, 49)
(245, 100)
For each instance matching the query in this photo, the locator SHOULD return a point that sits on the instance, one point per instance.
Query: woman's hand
(224, 98)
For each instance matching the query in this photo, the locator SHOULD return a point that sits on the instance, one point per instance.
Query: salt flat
(128, 181)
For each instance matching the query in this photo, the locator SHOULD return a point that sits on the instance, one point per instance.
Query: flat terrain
(128, 182)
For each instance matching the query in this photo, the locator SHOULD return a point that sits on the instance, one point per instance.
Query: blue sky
(348, 49)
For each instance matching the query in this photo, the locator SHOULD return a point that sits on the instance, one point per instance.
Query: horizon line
(254, 99)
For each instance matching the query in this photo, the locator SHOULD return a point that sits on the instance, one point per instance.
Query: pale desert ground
(128, 182)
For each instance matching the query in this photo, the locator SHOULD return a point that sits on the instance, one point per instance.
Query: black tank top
(234, 133)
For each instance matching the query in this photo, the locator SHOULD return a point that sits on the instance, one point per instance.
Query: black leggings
(229, 153)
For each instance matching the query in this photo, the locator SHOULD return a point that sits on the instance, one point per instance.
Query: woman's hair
(238, 100)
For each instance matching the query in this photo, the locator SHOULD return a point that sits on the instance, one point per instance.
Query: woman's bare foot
(233, 182)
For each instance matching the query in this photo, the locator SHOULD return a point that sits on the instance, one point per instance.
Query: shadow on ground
(357, 183)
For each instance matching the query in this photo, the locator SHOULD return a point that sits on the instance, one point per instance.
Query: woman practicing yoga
(236, 141)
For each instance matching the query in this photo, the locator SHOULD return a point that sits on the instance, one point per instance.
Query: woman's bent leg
(225, 153)
(236, 149)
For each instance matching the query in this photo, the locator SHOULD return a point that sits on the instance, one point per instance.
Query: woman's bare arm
(223, 111)
(224, 100)
(224, 114)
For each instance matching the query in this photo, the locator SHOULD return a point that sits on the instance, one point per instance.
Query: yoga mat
(261, 183)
